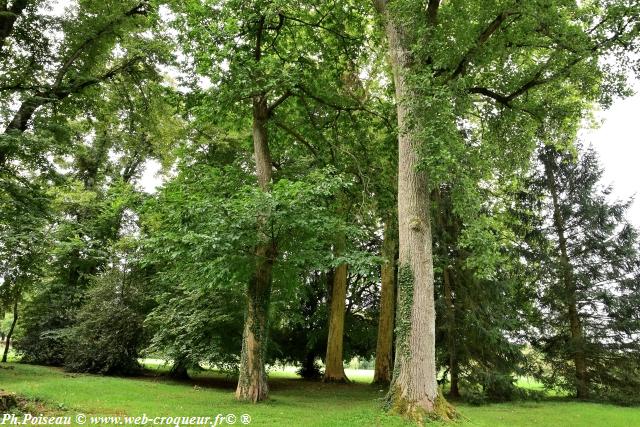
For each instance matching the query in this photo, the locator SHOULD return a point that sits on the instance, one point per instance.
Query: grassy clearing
(294, 402)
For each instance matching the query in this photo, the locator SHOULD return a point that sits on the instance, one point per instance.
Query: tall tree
(590, 270)
(259, 56)
(481, 295)
(447, 59)
(109, 137)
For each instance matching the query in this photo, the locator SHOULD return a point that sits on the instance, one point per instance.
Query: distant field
(294, 402)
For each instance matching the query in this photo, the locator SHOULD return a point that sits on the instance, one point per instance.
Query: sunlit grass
(293, 402)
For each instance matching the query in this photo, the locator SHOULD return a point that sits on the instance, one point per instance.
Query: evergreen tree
(480, 297)
(589, 287)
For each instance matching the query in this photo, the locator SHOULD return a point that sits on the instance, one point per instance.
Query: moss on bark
(440, 410)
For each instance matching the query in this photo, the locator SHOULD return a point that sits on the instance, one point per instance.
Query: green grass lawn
(293, 402)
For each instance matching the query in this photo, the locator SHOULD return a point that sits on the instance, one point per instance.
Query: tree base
(421, 411)
(252, 392)
(336, 379)
(381, 383)
(179, 372)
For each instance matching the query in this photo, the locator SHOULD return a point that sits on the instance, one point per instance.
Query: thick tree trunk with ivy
(10, 332)
(414, 390)
(384, 347)
(334, 367)
(252, 382)
(568, 281)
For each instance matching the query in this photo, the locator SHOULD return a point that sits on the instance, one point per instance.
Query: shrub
(42, 325)
(108, 333)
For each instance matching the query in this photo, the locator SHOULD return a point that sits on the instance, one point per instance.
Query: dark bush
(42, 325)
(108, 333)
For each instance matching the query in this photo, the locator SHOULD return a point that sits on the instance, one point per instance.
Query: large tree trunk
(10, 333)
(334, 367)
(384, 347)
(252, 382)
(414, 391)
(568, 281)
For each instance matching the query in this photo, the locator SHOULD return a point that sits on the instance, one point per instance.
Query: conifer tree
(589, 287)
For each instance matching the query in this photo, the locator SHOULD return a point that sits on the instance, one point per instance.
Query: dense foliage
(589, 266)
(286, 135)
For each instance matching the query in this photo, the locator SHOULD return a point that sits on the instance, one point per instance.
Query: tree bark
(21, 118)
(334, 366)
(252, 382)
(414, 391)
(19, 123)
(10, 333)
(568, 281)
(384, 347)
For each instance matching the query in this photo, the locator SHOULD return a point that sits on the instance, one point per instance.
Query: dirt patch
(8, 401)
(11, 403)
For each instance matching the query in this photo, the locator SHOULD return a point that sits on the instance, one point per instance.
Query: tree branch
(483, 37)
(339, 107)
(29, 106)
(8, 17)
(319, 26)
(504, 100)
(258, 50)
(278, 101)
(432, 12)
(297, 135)
(139, 9)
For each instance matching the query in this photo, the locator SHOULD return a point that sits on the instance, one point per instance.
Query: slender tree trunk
(179, 369)
(384, 347)
(451, 340)
(10, 333)
(334, 366)
(450, 235)
(568, 281)
(414, 390)
(252, 382)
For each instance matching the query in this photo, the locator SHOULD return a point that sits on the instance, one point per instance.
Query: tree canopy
(340, 180)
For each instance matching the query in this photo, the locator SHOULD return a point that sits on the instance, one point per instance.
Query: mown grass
(293, 402)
